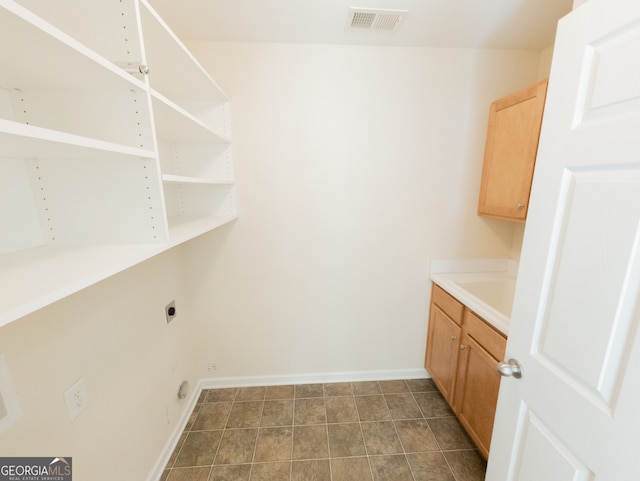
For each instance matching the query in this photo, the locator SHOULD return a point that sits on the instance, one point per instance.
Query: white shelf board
(175, 124)
(184, 228)
(173, 70)
(107, 27)
(34, 278)
(19, 140)
(25, 36)
(181, 179)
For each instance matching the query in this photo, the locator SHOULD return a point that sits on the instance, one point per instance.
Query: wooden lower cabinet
(464, 368)
(443, 340)
(477, 380)
(443, 351)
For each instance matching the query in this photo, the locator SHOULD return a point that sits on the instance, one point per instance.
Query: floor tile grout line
(450, 467)
(255, 444)
(224, 430)
(395, 427)
(326, 430)
(210, 471)
(293, 430)
(426, 419)
(366, 448)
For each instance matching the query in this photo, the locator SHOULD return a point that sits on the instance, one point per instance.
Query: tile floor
(358, 431)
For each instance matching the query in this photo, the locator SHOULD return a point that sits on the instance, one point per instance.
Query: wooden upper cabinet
(510, 153)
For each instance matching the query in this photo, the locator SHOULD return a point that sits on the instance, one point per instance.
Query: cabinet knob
(520, 206)
(462, 347)
(143, 69)
(453, 338)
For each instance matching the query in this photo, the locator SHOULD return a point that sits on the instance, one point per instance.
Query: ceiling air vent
(374, 19)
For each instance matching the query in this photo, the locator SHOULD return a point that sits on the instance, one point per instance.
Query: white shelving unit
(103, 164)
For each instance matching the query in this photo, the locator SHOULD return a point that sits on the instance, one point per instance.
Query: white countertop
(483, 285)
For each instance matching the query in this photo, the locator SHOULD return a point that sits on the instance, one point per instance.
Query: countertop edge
(447, 281)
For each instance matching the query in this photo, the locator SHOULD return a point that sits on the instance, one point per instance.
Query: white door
(575, 413)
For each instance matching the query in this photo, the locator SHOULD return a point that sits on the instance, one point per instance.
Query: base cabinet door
(476, 394)
(443, 351)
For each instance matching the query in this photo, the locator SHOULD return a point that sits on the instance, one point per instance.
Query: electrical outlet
(212, 368)
(76, 398)
(170, 311)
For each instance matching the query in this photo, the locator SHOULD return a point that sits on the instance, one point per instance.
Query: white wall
(114, 335)
(355, 166)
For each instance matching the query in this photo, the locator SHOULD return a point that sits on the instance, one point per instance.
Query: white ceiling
(501, 24)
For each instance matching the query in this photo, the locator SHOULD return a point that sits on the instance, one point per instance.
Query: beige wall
(355, 166)
(544, 67)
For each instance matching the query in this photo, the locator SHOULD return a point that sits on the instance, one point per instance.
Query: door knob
(510, 368)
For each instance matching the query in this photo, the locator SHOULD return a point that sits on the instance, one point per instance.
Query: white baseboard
(172, 442)
(351, 376)
(274, 380)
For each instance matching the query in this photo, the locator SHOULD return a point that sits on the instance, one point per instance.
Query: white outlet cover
(76, 398)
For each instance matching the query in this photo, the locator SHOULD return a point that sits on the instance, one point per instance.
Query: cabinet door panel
(510, 153)
(442, 351)
(476, 392)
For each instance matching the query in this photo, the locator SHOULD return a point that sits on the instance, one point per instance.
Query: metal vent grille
(373, 19)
